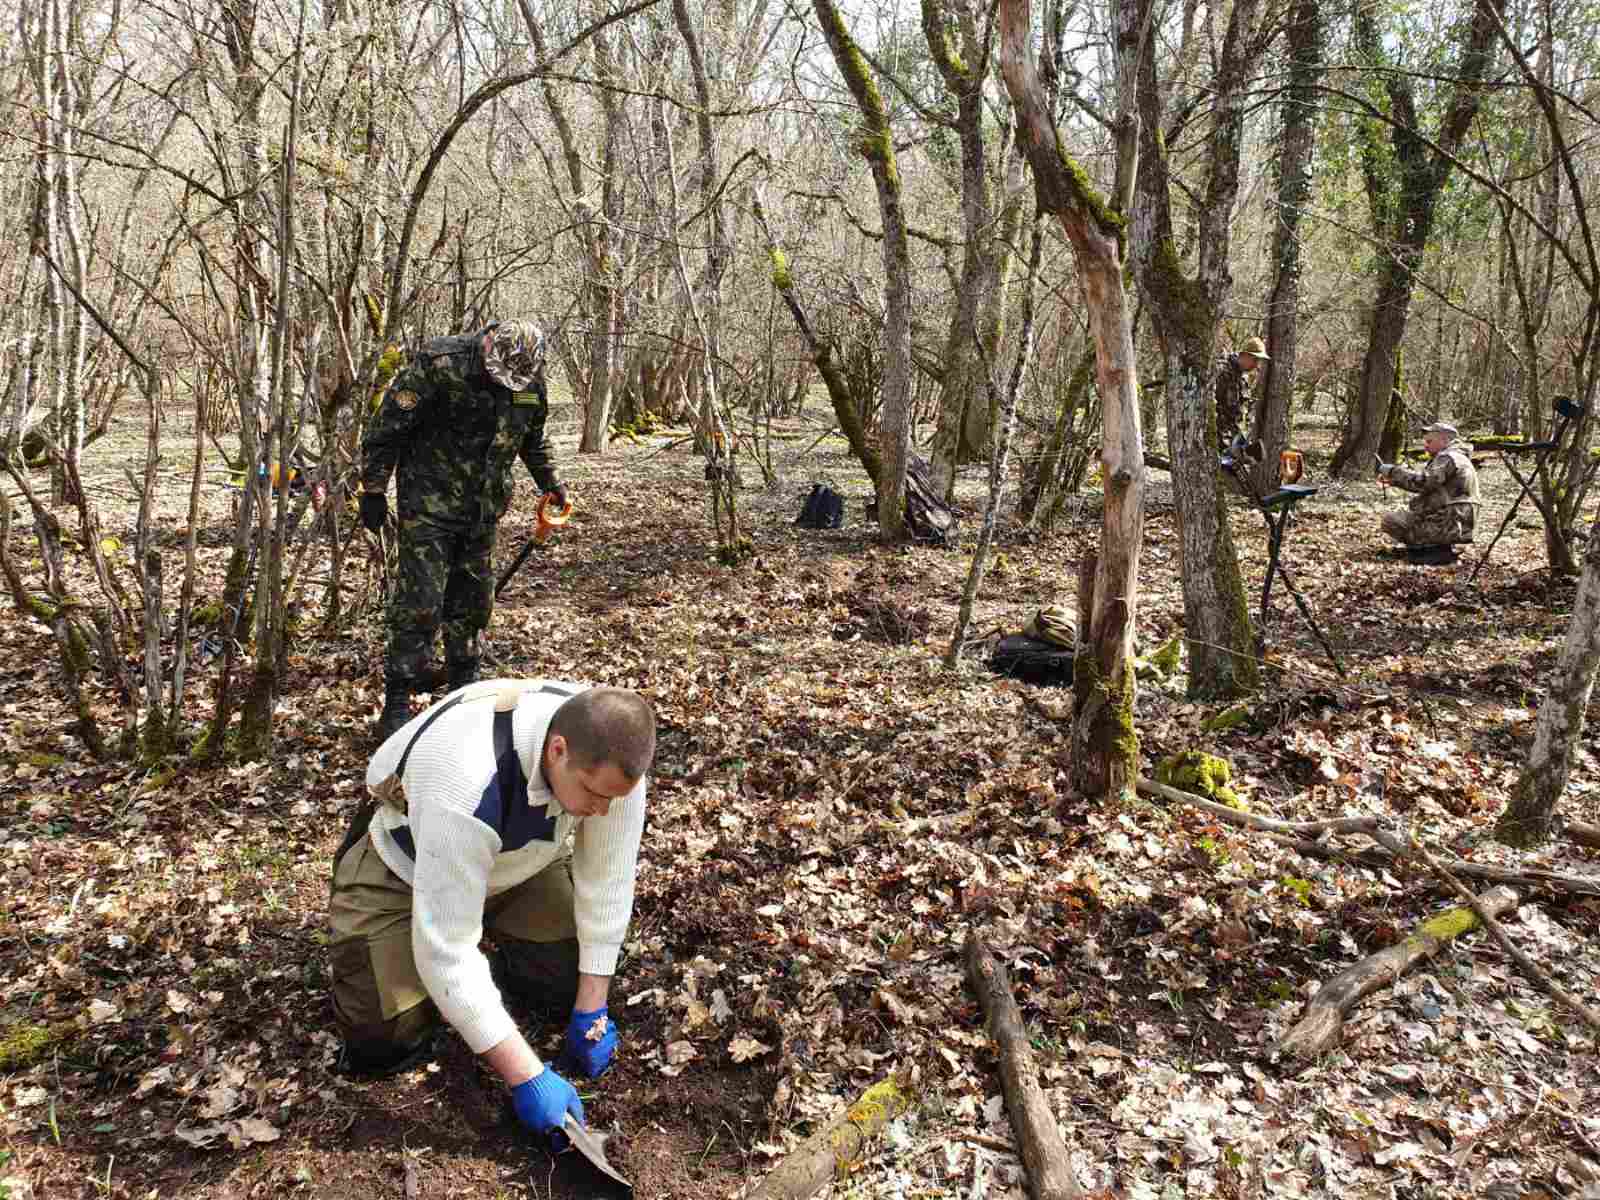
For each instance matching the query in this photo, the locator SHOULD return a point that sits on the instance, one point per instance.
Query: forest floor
(831, 811)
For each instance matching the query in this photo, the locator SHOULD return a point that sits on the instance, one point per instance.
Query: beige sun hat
(515, 355)
(1256, 348)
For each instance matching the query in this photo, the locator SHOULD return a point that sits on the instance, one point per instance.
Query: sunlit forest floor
(831, 811)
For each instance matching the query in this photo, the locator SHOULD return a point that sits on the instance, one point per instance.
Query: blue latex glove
(591, 1043)
(542, 1105)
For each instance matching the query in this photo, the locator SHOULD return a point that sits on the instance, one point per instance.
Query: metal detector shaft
(516, 564)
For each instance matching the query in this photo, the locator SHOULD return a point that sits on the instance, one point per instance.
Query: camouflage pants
(1439, 527)
(382, 1009)
(445, 578)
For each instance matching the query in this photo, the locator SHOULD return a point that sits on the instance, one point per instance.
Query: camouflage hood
(515, 355)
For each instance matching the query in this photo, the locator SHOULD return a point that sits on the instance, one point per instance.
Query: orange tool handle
(551, 520)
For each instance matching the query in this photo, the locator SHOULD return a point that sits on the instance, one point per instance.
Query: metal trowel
(592, 1145)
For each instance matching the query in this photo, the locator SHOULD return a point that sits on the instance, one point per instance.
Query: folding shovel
(592, 1145)
(548, 520)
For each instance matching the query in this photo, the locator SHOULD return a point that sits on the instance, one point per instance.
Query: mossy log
(1044, 1153)
(838, 1147)
(1319, 1028)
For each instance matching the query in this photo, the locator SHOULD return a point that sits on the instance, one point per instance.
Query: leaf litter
(830, 811)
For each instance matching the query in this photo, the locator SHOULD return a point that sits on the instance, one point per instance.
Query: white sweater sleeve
(455, 852)
(605, 857)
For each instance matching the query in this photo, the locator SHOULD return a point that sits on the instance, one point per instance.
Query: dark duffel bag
(1032, 660)
(824, 509)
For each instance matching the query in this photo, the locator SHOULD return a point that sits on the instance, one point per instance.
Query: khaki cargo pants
(383, 1010)
(1436, 527)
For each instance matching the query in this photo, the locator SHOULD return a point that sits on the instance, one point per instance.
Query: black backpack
(823, 509)
(1032, 661)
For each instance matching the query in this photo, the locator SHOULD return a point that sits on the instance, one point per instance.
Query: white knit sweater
(448, 847)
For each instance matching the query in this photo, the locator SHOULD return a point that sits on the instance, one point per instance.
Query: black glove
(374, 510)
(560, 494)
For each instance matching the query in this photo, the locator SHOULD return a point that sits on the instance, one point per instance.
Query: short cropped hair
(607, 725)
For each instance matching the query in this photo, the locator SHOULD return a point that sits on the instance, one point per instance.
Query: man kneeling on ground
(1445, 508)
(474, 804)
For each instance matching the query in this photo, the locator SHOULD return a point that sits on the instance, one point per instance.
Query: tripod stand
(1276, 510)
(1566, 411)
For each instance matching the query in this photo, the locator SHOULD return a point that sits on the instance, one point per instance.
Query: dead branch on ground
(1307, 837)
(1590, 1016)
(1044, 1154)
(838, 1147)
(1319, 1026)
(1396, 848)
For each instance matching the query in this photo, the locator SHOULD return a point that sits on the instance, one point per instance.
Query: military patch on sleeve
(524, 397)
(405, 401)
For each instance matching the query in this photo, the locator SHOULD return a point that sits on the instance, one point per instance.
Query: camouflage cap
(1442, 427)
(515, 355)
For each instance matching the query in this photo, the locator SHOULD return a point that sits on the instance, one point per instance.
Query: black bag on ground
(823, 509)
(1032, 660)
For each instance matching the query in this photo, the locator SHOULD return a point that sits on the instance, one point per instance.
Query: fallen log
(838, 1147)
(1318, 1029)
(1044, 1153)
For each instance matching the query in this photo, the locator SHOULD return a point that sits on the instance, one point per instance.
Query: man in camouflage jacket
(1446, 505)
(448, 428)
(1235, 378)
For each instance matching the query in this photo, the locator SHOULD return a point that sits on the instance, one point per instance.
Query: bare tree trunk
(992, 307)
(1530, 815)
(1002, 448)
(1105, 747)
(156, 735)
(1300, 107)
(256, 725)
(963, 421)
(1186, 313)
(604, 298)
(1403, 188)
(877, 147)
(47, 223)
(722, 447)
(845, 409)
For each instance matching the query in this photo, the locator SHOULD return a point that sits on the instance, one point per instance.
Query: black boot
(396, 709)
(462, 672)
